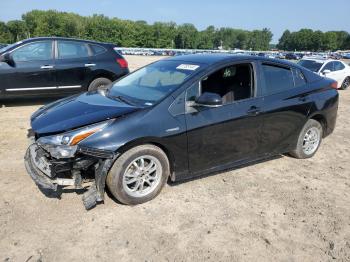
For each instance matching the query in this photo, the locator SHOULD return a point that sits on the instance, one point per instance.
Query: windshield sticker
(188, 67)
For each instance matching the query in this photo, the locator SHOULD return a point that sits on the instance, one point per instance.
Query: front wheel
(346, 83)
(138, 175)
(309, 140)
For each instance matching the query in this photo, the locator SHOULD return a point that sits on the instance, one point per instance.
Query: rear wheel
(345, 84)
(99, 83)
(138, 175)
(309, 140)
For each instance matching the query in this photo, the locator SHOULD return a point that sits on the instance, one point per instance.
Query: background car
(63, 66)
(333, 69)
(346, 56)
(291, 56)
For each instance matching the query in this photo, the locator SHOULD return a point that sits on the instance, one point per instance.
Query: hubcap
(142, 176)
(311, 140)
(346, 83)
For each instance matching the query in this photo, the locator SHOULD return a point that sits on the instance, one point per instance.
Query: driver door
(218, 136)
(32, 70)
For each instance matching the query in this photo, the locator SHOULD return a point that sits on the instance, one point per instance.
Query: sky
(277, 15)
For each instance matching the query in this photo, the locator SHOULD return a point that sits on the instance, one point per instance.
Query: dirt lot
(280, 210)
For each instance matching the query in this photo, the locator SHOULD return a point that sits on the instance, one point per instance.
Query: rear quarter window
(97, 49)
(277, 79)
(299, 78)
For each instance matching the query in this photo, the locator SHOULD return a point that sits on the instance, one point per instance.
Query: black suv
(58, 66)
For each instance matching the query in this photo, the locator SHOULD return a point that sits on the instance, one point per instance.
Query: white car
(333, 69)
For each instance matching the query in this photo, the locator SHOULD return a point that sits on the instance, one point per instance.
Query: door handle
(253, 111)
(46, 67)
(90, 65)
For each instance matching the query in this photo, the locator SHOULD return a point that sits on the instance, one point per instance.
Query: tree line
(128, 33)
(309, 40)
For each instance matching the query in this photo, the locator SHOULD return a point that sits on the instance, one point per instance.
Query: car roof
(210, 59)
(60, 38)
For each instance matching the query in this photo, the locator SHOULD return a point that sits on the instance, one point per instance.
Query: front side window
(36, 51)
(71, 50)
(329, 66)
(232, 83)
(338, 66)
(153, 82)
(277, 79)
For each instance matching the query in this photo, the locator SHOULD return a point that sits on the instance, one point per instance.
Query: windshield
(153, 82)
(311, 65)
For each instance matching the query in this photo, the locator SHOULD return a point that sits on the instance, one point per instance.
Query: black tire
(345, 84)
(99, 83)
(299, 151)
(115, 176)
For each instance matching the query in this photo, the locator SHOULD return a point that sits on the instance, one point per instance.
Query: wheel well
(322, 120)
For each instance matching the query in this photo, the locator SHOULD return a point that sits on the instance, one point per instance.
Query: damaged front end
(59, 161)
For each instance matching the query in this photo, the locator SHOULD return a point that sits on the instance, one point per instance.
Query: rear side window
(299, 78)
(97, 50)
(338, 66)
(71, 50)
(277, 79)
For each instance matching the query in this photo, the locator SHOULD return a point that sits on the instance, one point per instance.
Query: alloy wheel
(142, 176)
(311, 140)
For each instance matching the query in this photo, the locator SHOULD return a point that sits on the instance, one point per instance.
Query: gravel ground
(279, 210)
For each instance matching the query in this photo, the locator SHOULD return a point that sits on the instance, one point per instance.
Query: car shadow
(27, 101)
(205, 175)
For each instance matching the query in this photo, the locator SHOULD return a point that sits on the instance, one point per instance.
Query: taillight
(334, 85)
(122, 62)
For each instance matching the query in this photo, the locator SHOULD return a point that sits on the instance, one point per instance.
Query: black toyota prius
(176, 119)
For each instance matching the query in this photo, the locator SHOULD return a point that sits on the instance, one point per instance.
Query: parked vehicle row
(58, 66)
(2, 46)
(179, 118)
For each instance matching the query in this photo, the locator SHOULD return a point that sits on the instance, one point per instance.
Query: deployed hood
(77, 111)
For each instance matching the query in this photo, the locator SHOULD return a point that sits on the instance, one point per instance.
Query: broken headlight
(65, 145)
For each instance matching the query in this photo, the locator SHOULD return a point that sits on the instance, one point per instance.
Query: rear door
(32, 70)
(286, 103)
(73, 65)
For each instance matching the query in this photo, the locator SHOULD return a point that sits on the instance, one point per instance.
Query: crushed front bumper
(47, 173)
(32, 163)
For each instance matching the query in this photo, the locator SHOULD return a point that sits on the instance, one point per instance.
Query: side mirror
(209, 100)
(325, 72)
(6, 58)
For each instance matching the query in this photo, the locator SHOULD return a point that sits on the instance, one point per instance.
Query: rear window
(311, 65)
(277, 79)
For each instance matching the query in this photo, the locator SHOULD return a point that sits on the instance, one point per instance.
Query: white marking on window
(188, 67)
